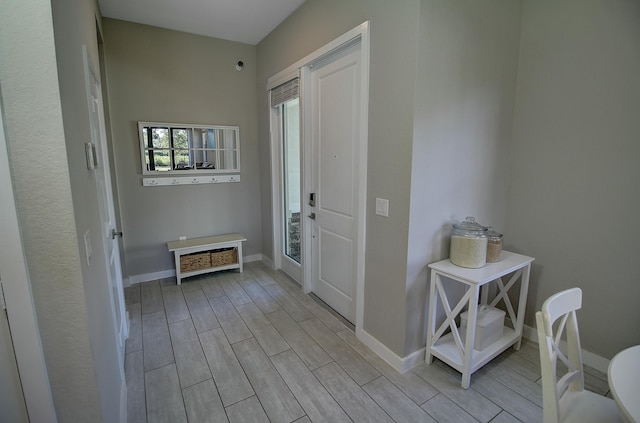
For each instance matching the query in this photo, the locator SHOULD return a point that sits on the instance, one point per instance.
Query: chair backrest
(560, 307)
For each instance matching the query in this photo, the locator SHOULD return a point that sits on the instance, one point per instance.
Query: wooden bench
(197, 256)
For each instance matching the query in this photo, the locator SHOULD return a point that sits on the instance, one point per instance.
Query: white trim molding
(123, 400)
(402, 364)
(147, 277)
(293, 70)
(268, 262)
(163, 274)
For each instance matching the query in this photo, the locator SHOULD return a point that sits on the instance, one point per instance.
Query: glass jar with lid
(468, 244)
(494, 246)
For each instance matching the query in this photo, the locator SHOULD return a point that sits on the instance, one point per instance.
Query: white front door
(335, 103)
(107, 213)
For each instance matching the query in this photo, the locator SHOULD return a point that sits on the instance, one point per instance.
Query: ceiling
(245, 21)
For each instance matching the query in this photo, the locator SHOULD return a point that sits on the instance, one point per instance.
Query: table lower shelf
(447, 351)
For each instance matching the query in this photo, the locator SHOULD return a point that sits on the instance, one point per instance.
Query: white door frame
(302, 68)
(19, 299)
(107, 236)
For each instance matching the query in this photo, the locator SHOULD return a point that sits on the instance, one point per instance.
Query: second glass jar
(494, 246)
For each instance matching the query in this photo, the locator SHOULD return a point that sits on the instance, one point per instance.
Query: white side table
(449, 347)
(197, 245)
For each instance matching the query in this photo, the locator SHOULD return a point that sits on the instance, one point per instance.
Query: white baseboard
(588, 358)
(399, 363)
(267, 261)
(402, 364)
(146, 277)
(123, 402)
(253, 257)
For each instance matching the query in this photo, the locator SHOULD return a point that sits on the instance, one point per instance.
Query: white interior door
(334, 114)
(12, 405)
(107, 213)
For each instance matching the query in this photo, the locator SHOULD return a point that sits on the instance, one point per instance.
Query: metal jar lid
(493, 235)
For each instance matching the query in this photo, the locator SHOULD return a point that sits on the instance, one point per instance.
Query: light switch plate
(382, 207)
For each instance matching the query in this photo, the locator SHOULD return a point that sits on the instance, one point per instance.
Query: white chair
(563, 396)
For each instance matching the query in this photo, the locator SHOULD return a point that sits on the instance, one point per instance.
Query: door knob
(312, 216)
(115, 233)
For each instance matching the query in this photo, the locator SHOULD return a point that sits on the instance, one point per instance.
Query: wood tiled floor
(251, 347)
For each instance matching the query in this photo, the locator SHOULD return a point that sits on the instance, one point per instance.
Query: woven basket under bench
(224, 256)
(206, 259)
(195, 261)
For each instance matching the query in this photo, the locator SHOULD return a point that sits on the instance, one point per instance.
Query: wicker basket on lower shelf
(195, 261)
(224, 257)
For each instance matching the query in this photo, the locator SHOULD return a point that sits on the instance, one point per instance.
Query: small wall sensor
(239, 65)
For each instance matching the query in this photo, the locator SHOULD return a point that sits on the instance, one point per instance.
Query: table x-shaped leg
(517, 319)
(465, 350)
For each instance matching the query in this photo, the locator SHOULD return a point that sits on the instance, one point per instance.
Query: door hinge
(3, 305)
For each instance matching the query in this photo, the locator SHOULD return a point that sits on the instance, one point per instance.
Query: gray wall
(524, 116)
(465, 92)
(168, 76)
(441, 98)
(574, 196)
(394, 37)
(46, 126)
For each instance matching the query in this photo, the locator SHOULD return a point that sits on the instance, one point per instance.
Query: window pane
(157, 160)
(199, 138)
(160, 137)
(180, 138)
(150, 166)
(222, 160)
(291, 159)
(181, 159)
(219, 137)
(204, 159)
(208, 159)
(198, 158)
(228, 159)
(229, 139)
(211, 139)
